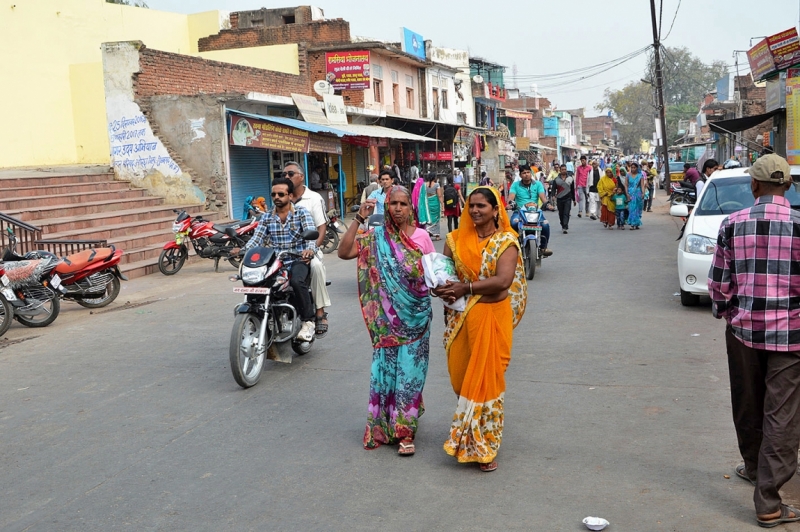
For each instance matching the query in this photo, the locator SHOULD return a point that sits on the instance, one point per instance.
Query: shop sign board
(320, 144)
(522, 143)
(792, 119)
(437, 156)
(380, 143)
(335, 109)
(310, 109)
(357, 141)
(760, 58)
(348, 70)
(412, 43)
(256, 133)
(776, 92)
(785, 48)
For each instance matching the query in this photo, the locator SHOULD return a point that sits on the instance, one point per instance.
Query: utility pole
(662, 110)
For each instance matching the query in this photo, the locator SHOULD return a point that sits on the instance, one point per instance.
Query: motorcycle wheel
(246, 365)
(679, 200)
(301, 348)
(42, 320)
(235, 261)
(331, 242)
(171, 260)
(530, 259)
(111, 293)
(6, 315)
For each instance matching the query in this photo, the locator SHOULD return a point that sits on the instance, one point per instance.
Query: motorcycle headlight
(253, 275)
(531, 217)
(700, 245)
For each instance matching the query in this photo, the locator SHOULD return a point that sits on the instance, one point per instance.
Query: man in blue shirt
(386, 181)
(528, 193)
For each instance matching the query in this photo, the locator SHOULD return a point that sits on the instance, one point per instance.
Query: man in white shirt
(315, 179)
(314, 204)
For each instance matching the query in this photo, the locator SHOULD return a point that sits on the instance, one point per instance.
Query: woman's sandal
(406, 447)
(488, 468)
(322, 328)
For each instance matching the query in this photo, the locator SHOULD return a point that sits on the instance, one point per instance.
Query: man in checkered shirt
(754, 283)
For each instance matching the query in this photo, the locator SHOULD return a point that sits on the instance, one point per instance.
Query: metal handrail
(29, 238)
(26, 233)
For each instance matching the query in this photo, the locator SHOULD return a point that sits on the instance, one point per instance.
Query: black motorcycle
(683, 193)
(267, 322)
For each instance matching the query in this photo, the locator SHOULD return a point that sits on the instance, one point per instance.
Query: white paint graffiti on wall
(198, 128)
(135, 151)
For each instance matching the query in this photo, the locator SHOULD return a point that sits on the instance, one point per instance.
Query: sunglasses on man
(278, 194)
(290, 173)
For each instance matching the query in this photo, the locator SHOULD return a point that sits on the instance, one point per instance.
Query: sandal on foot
(321, 328)
(488, 468)
(783, 518)
(741, 472)
(406, 448)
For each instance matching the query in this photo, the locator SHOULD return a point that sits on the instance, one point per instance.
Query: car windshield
(675, 167)
(731, 194)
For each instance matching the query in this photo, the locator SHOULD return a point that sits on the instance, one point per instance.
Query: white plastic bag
(438, 270)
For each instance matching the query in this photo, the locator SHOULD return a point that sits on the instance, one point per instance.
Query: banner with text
(348, 70)
(792, 118)
(256, 133)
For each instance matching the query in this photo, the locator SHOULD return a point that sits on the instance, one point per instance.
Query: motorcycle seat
(77, 261)
(236, 225)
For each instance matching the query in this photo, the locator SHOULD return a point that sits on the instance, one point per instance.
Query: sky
(544, 38)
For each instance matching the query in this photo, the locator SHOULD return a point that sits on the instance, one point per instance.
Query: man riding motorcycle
(528, 193)
(281, 228)
(315, 205)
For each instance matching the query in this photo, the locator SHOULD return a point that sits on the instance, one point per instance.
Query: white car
(725, 192)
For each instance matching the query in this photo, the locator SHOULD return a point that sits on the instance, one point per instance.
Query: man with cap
(754, 284)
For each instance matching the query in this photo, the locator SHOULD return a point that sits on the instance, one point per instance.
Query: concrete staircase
(86, 205)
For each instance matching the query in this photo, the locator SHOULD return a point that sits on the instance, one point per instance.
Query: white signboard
(335, 109)
(310, 109)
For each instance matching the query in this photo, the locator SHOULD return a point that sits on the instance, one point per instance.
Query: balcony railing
(29, 238)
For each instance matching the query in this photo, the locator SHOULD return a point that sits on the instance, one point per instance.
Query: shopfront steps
(94, 206)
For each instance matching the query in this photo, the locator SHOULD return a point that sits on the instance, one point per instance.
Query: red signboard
(348, 70)
(785, 48)
(262, 134)
(761, 62)
(437, 156)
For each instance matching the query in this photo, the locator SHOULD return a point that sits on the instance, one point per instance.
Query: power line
(673, 21)
(578, 71)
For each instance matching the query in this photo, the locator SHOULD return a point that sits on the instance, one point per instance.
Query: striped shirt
(754, 280)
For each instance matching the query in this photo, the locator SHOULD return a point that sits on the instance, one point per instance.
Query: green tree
(676, 113)
(686, 78)
(633, 109)
(133, 3)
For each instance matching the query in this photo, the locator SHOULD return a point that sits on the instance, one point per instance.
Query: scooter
(209, 240)
(528, 224)
(35, 300)
(6, 295)
(334, 227)
(267, 323)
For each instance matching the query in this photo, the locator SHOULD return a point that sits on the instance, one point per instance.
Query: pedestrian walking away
(594, 198)
(605, 190)
(430, 208)
(396, 306)
(478, 340)
(453, 203)
(582, 186)
(563, 188)
(754, 287)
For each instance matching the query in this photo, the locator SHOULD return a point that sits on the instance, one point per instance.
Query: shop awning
(542, 147)
(381, 132)
(297, 124)
(740, 124)
(570, 147)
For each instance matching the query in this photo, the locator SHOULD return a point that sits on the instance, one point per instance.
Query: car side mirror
(310, 235)
(679, 211)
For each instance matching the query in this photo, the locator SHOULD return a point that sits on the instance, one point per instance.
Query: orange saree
(479, 340)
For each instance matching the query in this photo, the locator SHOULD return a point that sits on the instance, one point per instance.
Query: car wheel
(688, 299)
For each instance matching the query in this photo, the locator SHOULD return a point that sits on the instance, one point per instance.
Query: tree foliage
(633, 108)
(686, 82)
(133, 3)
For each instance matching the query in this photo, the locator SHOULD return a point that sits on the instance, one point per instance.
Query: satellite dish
(477, 79)
(323, 87)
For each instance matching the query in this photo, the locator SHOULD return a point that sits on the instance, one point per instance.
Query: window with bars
(377, 87)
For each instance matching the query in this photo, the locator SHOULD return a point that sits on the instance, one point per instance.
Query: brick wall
(316, 33)
(164, 73)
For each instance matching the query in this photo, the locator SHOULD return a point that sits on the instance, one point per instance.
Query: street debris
(595, 523)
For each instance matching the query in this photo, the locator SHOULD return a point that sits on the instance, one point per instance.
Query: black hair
(383, 173)
(450, 180)
(525, 167)
(583, 157)
(431, 176)
(686, 166)
(711, 163)
(284, 181)
(483, 174)
(490, 198)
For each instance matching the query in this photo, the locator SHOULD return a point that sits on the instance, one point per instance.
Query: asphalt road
(617, 405)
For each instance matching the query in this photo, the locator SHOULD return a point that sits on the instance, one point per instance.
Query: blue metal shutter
(250, 169)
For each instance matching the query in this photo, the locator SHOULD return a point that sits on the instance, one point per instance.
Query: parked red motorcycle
(6, 295)
(209, 240)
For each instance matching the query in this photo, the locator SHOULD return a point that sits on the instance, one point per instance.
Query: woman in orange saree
(478, 340)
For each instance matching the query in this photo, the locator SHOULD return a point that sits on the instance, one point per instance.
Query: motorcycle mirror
(310, 235)
(234, 278)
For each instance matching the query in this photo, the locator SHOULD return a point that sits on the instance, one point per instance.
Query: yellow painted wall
(279, 57)
(205, 24)
(45, 46)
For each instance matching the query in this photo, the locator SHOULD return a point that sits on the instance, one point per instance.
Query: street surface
(617, 405)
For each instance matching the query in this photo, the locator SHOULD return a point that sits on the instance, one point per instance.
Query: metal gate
(250, 169)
